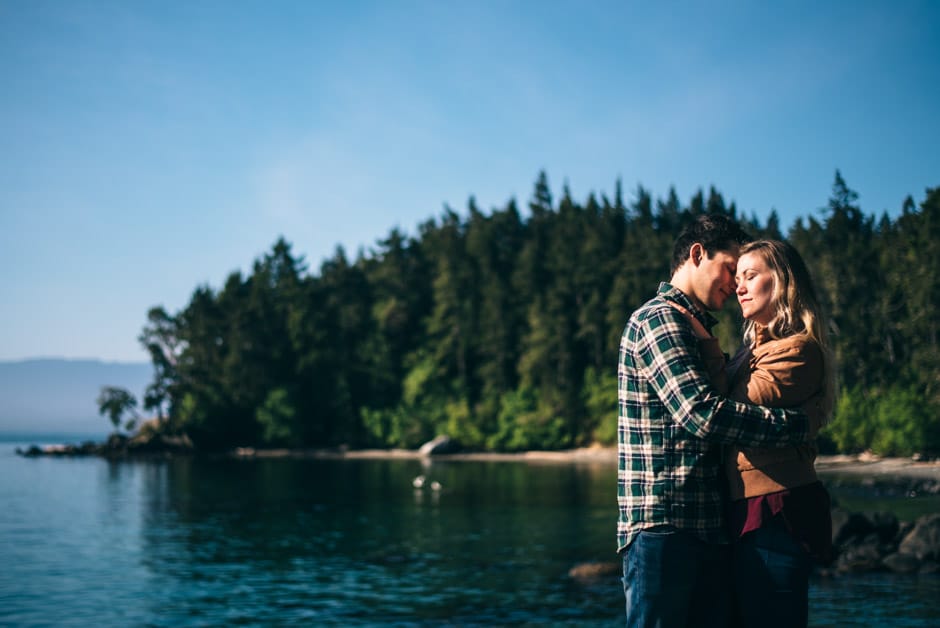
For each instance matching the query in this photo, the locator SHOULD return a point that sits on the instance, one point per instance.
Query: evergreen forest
(501, 328)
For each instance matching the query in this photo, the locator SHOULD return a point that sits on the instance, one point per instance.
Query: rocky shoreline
(117, 446)
(866, 469)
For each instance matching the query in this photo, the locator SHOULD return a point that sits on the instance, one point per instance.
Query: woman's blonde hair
(797, 309)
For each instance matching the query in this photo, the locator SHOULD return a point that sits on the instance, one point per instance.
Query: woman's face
(755, 289)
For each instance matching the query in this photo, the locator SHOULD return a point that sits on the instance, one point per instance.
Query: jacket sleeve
(668, 351)
(785, 377)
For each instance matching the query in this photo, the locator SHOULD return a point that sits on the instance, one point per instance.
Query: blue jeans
(672, 579)
(771, 578)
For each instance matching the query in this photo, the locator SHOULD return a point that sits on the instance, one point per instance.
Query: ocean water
(187, 542)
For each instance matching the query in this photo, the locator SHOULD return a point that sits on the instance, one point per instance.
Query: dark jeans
(671, 579)
(771, 578)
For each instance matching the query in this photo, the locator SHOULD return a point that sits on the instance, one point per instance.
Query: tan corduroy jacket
(775, 373)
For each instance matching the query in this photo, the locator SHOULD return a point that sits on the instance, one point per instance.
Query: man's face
(714, 277)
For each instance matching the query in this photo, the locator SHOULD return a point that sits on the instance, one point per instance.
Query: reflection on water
(278, 542)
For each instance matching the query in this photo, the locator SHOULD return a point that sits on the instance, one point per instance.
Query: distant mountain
(42, 396)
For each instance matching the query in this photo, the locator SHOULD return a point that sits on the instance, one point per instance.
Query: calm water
(294, 542)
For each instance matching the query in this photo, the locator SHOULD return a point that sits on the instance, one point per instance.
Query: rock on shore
(863, 543)
(877, 541)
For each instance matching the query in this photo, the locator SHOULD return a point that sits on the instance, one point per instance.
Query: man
(672, 424)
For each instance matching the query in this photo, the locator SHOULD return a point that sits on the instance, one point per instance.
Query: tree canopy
(501, 328)
(115, 403)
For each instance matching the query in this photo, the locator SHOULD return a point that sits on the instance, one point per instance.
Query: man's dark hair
(715, 232)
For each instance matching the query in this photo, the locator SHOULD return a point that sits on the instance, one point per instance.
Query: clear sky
(150, 147)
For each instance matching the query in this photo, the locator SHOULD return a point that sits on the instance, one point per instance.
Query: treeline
(501, 328)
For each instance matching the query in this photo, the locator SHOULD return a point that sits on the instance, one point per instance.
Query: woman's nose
(739, 288)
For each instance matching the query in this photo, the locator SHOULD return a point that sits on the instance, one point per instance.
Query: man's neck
(683, 282)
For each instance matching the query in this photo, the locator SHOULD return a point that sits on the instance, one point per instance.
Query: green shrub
(277, 418)
(903, 424)
(417, 418)
(897, 421)
(403, 426)
(852, 425)
(600, 403)
(528, 421)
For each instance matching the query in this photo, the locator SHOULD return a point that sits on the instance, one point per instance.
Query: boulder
(861, 555)
(885, 525)
(904, 528)
(590, 572)
(923, 542)
(862, 541)
(901, 563)
(847, 526)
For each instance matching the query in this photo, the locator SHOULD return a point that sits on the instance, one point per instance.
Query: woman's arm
(784, 376)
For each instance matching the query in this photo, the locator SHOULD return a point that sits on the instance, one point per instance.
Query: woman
(779, 510)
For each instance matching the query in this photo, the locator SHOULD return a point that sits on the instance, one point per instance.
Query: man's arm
(666, 348)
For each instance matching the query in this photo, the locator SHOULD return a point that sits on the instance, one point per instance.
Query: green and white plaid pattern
(672, 424)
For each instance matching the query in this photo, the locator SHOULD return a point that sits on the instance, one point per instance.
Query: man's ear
(696, 253)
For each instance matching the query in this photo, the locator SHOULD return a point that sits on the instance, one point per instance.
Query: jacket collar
(761, 335)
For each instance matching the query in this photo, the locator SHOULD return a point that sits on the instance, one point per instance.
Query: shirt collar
(671, 293)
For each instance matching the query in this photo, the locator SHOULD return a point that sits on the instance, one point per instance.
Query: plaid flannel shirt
(672, 424)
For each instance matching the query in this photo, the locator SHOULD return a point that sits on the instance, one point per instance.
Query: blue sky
(150, 147)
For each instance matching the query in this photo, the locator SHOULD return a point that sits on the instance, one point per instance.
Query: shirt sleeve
(667, 351)
(715, 363)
